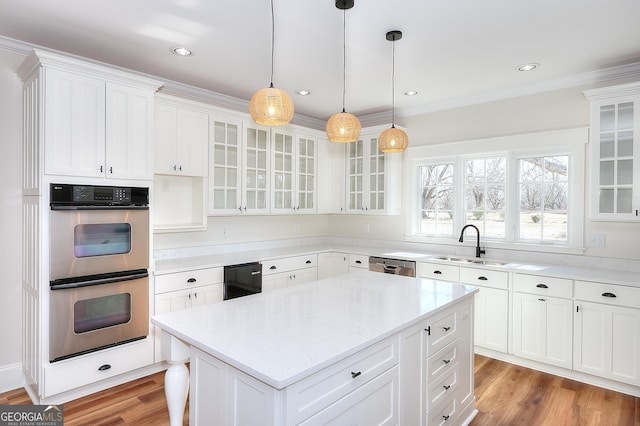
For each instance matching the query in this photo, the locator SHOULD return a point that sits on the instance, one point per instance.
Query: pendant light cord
(344, 57)
(273, 31)
(393, 83)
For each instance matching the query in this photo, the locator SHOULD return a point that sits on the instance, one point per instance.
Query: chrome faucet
(479, 251)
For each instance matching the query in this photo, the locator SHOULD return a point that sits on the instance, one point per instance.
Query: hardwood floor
(506, 395)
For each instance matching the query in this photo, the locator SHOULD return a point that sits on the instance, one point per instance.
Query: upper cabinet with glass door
(615, 152)
(293, 172)
(238, 168)
(373, 180)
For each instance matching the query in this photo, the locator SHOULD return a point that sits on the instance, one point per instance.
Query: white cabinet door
(373, 178)
(74, 124)
(225, 166)
(543, 329)
(181, 140)
(129, 130)
(491, 318)
(615, 152)
(607, 342)
(255, 183)
(332, 264)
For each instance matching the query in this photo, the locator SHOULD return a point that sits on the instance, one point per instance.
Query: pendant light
(343, 127)
(271, 106)
(393, 140)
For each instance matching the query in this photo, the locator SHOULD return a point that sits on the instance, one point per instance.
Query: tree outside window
(436, 201)
(485, 188)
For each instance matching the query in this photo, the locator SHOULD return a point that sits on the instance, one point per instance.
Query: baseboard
(11, 377)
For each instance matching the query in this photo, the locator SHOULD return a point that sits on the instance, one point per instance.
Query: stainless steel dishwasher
(392, 266)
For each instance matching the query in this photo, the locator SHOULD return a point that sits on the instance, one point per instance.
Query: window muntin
(436, 184)
(544, 198)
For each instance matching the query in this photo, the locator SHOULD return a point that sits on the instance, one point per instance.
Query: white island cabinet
(361, 348)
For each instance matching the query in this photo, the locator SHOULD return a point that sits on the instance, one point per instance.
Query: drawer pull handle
(307, 262)
(542, 286)
(446, 361)
(542, 300)
(191, 280)
(446, 387)
(356, 374)
(446, 328)
(359, 262)
(104, 367)
(607, 294)
(445, 418)
(273, 267)
(483, 278)
(437, 272)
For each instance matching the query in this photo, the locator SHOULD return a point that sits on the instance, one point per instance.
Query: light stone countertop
(285, 335)
(595, 274)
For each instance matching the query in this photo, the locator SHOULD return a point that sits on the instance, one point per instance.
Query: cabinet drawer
(438, 271)
(610, 294)
(443, 361)
(310, 395)
(275, 266)
(188, 279)
(442, 388)
(484, 277)
(543, 286)
(358, 261)
(441, 330)
(73, 373)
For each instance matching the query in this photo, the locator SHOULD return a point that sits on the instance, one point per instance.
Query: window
(522, 190)
(544, 198)
(436, 199)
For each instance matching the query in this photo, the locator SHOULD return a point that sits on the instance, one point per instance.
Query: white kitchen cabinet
(181, 138)
(332, 263)
(615, 152)
(184, 290)
(607, 330)
(284, 272)
(293, 172)
(543, 319)
(438, 271)
(492, 306)
(331, 178)
(358, 262)
(373, 179)
(239, 167)
(94, 127)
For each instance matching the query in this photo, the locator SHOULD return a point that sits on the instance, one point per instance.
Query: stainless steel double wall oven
(98, 268)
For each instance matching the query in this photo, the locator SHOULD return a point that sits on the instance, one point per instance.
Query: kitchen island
(364, 348)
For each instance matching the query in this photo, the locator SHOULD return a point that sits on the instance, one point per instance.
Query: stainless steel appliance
(392, 266)
(99, 255)
(242, 280)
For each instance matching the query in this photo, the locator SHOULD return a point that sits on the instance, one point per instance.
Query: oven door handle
(98, 281)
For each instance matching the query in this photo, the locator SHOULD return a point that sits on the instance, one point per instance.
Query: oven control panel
(93, 195)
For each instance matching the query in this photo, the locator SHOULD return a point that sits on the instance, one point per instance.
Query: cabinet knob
(436, 272)
(273, 267)
(445, 418)
(180, 168)
(104, 367)
(542, 285)
(446, 387)
(101, 169)
(483, 278)
(446, 361)
(356, 374)
(307, 262)
(111, 169)
(446, 328)
(191, 280)
(358, 262)
(175, 167)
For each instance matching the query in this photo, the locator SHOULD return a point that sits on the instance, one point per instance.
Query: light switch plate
(597, 240)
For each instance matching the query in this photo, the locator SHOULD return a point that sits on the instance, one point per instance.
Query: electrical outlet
(365, 228)
(597, 240)
(296, 228)
(224, 232)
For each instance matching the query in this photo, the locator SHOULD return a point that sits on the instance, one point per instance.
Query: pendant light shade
(343, 126)
(271, 106)
(393, 140)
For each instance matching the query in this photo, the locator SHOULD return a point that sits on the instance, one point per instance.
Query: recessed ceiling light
(303, 92)
(410, 93)
(528, 67)
(181, 51)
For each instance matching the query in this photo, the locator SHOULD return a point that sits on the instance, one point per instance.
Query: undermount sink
(476, 261)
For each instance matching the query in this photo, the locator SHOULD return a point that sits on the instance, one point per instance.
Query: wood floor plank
(506, 395)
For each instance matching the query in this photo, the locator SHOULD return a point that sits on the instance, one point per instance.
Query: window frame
(565, 142)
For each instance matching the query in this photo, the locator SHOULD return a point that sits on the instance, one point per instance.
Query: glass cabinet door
(306, 174)
(224, 173)
(283, 172)
(256, 181)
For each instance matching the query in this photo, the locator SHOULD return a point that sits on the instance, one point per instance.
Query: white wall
(10, 225)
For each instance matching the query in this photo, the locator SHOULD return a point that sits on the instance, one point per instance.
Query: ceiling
(453, 51)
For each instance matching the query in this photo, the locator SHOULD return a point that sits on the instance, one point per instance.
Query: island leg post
(176, 379)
